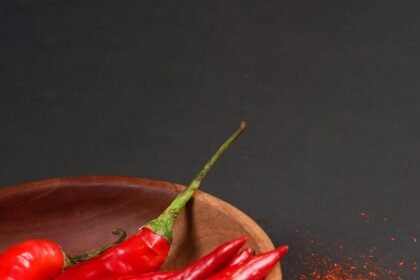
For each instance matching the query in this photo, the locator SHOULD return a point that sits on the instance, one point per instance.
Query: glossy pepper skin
(32, 260)
(40, 259)
(211, 263)
(156, 275)
(147, 250)
(254, 268)
(200, 269)
(240, 257)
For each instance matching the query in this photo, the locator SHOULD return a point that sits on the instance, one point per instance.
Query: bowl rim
(135, 181)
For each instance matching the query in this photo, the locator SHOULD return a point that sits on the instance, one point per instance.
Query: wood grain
(80, 213)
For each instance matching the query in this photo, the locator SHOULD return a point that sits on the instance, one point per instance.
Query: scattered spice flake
(329, 270)
(339, 246)
(414, 239)
(413, 267)
(363, 266)
(365, 216)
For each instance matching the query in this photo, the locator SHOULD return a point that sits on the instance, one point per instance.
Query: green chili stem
(163, 224)
(72, 260)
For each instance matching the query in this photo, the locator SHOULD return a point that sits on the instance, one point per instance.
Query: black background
(329, 89)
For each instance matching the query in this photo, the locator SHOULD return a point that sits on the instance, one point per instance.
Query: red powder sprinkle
(364, 215)
(347, 269)
(339, 246)
(349, 265)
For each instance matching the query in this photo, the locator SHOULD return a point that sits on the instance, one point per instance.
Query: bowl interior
(80, 214)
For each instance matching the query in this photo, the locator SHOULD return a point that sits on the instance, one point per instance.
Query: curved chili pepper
(147, 250)
(240, 257)
(254, 268)
(40, 259)
(175, 275)
(211, 263)
(200, 269)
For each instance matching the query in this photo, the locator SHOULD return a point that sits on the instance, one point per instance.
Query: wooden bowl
(80, 213)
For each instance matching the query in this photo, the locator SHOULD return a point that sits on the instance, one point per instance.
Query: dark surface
(330, 91)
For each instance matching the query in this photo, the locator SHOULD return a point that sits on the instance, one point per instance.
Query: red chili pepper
(32, 260)
(200, 269)
(255, 268)
(148, 249)
(175, 275)
(40, 259)
(155, 275)
(211, 263)
(240, 257)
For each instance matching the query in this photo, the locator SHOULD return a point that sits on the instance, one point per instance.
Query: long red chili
(40, 259)
(148, 249)
(212, 262)
(200, 269)
(240, 257)
(254, 268)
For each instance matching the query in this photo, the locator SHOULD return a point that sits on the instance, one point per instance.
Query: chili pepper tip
(283, 250)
